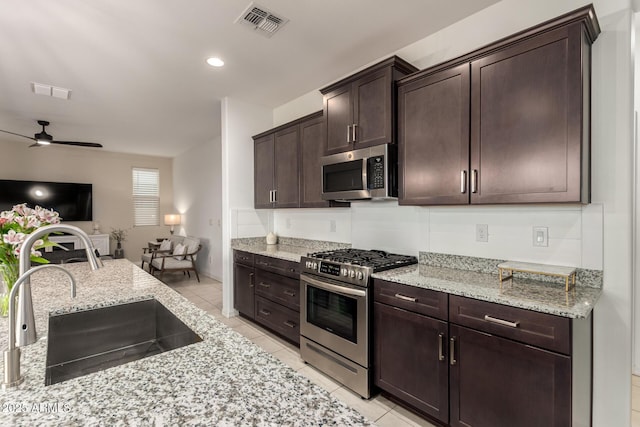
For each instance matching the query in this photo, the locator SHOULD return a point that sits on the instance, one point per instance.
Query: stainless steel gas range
(335, 309)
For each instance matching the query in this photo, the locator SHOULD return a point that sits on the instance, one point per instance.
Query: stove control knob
(307, 264)
(352, 273)
(360, 275)
(314, 265)
(345, 273)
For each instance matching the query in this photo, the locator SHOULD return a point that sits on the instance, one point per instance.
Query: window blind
(146, 197)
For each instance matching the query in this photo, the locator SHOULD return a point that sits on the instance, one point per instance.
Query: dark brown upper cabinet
(276, 169)
(508, 123)
(312, 137)
(359, 110)
(287, 165)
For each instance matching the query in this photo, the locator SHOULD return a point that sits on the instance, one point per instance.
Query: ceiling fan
(43, 138)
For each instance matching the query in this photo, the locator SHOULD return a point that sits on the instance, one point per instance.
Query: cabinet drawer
(278, 318)
(418, 300)
(280, 266)
(281, 289)
(242, 257)
(529, 327)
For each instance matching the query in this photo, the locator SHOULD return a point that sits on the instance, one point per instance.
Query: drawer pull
(289, 293)
(251, 279)
(266, 264)
(290, 324)
(441, 346)
(501, 322)
(452, 351)
(265, 312)
(406, 298)
(264, 285)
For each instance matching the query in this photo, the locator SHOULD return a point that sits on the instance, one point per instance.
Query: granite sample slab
(290, 249)
(225, 380)
(536, 295)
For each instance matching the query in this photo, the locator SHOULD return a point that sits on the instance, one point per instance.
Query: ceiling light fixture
(215, 62)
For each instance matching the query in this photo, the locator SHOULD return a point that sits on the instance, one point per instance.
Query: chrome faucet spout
(12, 376)
(26, 332)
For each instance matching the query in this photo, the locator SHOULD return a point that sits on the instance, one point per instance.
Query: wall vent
(261, 20)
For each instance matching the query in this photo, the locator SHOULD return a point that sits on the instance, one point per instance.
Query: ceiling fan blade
(78, 144)
(17, 134)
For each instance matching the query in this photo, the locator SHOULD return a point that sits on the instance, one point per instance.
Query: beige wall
(110, 174)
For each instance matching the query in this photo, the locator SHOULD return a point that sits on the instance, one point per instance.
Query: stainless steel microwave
(367, 173)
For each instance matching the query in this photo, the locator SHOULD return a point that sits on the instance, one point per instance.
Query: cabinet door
(433, 139)
(410, 358)
(373, 109)
(264, 171)
(338, 113)
(287, 179)
(498, 382)
(243, 286)
(526, 121)
(312, 139)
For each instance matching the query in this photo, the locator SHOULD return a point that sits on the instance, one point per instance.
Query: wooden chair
(168, 262)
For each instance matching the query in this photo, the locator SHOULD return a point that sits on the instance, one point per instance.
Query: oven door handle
(332, 288)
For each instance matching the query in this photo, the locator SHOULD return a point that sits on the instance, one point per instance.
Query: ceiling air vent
(261, 20)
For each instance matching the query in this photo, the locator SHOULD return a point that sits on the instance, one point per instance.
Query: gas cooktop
(374, 259)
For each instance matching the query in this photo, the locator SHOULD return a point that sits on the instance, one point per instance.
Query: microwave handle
(365, 178)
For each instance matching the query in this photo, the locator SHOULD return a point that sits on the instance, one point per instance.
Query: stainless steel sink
(89, 341)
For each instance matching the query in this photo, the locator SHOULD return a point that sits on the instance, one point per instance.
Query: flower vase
(119, 252)
(8, 276)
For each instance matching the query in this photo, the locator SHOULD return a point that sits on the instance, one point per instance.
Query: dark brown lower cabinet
(410, 360)
(498, 382)
(243, 289)
(481, 364)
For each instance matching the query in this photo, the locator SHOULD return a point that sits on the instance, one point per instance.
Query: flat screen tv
(72, 201)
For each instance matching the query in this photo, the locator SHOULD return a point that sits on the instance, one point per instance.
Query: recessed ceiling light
(215, 62)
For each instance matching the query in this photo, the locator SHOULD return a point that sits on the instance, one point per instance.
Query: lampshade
(172, 219)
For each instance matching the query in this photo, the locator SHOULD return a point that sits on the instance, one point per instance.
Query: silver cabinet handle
(406, 298)
(290, 324)
(452, 351)
(441, 346)
(348, 133)
(264, 285)
(265, 312)
(474, 181)
(289, 293)
(251, 277)
(501, 322)
(353, 132)
(463, 182)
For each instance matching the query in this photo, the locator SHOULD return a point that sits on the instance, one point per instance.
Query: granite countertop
(224, 380)
(290, 249)
(531, 294)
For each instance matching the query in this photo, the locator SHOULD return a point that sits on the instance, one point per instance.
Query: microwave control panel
(375, 172)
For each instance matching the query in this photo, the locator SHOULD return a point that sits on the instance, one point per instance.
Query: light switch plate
(541, 236)
(482, 232)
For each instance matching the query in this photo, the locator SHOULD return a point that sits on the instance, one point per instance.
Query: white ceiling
(137, 68)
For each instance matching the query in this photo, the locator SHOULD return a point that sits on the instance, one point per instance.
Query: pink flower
(13, 238)
(22, 209)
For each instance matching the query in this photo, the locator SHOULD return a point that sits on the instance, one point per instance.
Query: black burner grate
(375, 259)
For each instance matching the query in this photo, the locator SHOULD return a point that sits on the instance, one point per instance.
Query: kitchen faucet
(25, 322)
(12, 376)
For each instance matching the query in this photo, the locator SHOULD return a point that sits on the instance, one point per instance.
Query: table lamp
(172, 219)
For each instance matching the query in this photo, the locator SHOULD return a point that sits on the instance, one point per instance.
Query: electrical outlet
(332, 226)
(482, 233)
(540, 236)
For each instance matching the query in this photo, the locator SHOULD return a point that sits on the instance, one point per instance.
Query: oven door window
(343, 176)
(332, 312)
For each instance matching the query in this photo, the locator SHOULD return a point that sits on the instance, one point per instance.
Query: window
(146, 197)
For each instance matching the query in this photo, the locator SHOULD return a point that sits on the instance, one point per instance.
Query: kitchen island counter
(223, 380)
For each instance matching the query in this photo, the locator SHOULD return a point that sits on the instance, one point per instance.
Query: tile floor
(207, 295)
